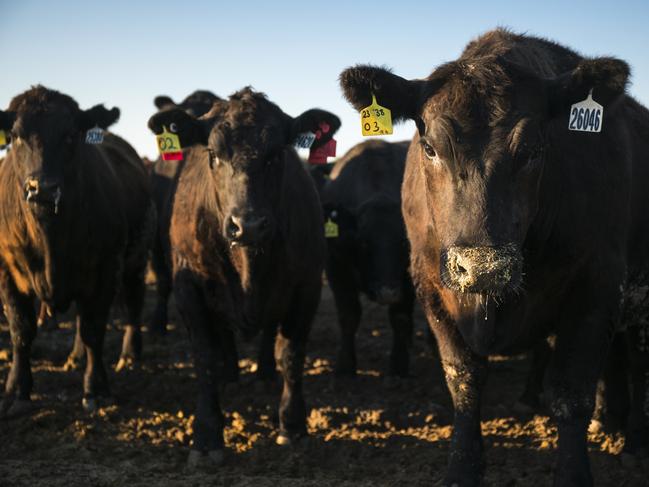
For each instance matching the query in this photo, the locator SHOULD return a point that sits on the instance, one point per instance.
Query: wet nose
(32, 187)
(248, 230)
(388, 295)
(42, 191)
(482, 269)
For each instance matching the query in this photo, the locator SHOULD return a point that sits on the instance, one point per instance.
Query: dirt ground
(368, 431)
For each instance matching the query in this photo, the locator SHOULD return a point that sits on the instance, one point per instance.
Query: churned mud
(368, 431)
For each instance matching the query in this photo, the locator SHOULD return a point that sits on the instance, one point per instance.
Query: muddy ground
(368, 431)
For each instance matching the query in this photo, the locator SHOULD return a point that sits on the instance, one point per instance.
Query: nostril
(460, 269)
(235, 228)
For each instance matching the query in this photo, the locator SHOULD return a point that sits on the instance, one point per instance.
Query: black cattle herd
(518, 216)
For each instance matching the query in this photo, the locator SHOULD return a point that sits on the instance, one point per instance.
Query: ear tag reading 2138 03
(169, 146)
(586, 116)
(376, 120)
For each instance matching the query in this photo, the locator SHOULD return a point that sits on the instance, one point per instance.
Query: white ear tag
(305, 140)
(586, 116)
(95, 136)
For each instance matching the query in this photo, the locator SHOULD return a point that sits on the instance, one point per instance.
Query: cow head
(46, 129)
(247, 138)
(481, 148)
(196, 104)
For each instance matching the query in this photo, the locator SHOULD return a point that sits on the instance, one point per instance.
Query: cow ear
(189, 129)
(7, 120)
(401, 96)
(316, 121)
(163, 101)
(98, 116)
(607, 77)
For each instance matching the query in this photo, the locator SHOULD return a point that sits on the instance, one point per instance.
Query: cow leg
(94, 316)
(46, 318)
(612, 403)
(134, 289)
(573, 372)
(401, 322)
(230, 356)
(162, 271)
(466, 374)
(73, 361)
(530, 400)
(200, 322)
(19, 310)
(348, 305)
(266, 370)
(290, 351)
(637, 429)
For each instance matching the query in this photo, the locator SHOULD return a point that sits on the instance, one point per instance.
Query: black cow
(370, 253)
(76, 220)
(163, 177)
(247, 244)
(520, 227)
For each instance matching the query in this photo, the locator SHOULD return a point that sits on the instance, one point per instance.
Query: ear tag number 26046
(376, 120)
(169, 146)
(586, 116)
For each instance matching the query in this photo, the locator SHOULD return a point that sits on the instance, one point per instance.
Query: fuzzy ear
(7, 120)
(607, 77)
(401, 96)
(98, 116)
(317, 121)
(189, 129)
(163, 101)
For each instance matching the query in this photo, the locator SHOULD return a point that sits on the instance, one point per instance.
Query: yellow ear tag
(3, 138)
(331, 229)
(169, 146)
(376, 120)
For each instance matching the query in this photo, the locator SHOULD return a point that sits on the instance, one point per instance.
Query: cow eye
(428, 150)
(173, 127)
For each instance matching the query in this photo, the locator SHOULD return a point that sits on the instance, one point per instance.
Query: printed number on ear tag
(169, 146)
(331, 229)
(586, 116)
(3, 138)
(95, 136)
(376, 120)
(305, 140)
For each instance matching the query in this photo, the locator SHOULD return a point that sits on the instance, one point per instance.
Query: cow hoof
(197, 459)
(125, 363)
(72, 363)
(89, 404)
(13, 408)
(595, 426)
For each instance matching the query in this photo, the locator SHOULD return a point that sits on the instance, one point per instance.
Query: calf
(520, 227)
(247, 245)
(76, 220)
(369, 254)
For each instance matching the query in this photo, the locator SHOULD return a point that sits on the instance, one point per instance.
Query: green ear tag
(3, 138)
(331, 229)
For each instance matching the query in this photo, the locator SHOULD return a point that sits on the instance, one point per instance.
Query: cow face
(481, 148)
(247, 138)
(46, 130)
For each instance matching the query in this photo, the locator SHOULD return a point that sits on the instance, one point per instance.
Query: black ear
(401, 96)
(163, 101)
(98, 116)
(7, 120)
(607, 77)
(315, 120)
(189, 129)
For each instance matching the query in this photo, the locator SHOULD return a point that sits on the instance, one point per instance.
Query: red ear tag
(319, 155)
(325, 127)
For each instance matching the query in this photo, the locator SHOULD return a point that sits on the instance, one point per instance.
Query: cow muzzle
(43, 193)
(492, 270)
(247, 231)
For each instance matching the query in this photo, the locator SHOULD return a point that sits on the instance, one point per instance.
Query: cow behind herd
(510, 224)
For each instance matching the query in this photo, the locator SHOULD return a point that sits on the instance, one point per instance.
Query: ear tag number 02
(586, 116)
(3, 138)
(376, 120)
(331, 229)
(169, 146)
